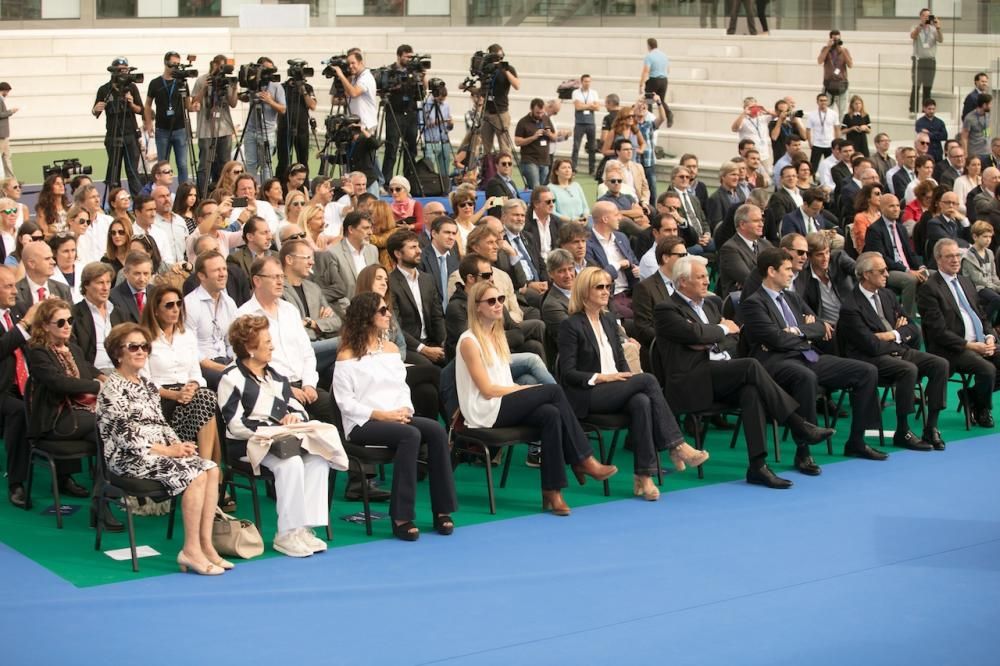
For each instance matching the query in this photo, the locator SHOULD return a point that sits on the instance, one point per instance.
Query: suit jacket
(242, 258)
(25, 298)
(645, 297)
(840, 173)
(719, 204)
(10, 341)
(429, 264)
(124, 301)
(945, 174)
(50, 385)
(409, 316)
(841, 272)
(879, 239)
(555, 309)
(794, 222)
(84, 331)
(736, 262)
(763, 327)
(580, 357)
(882, 165)
(641, 184)
(859, 323)
(344, 272)
(899, 182)
(941, 318)
(534, 248)
(990, 160)
(778, 206)
(533, 241)
(329, 327)
(496, 187)
(940, 227)
(596, 253)
(845, 202)
(700, 224)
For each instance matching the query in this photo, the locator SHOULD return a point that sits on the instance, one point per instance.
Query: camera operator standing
(359, 95)
(437, 124)
(122, 101)
(293, 125)
(259, 141)
(836, 60)
(496, 116)
(214, 94)
(926, 35)
(402, 122)
(171, 110)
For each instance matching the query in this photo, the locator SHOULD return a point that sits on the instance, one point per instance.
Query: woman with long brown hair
(119, 204)
(227, 180)
(867, 210)
(383, 226)
(625, 126)
(117, 244)
(53, 202)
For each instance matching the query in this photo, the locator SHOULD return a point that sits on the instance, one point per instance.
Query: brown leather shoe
(686, 455)
(595, 470)
(552, 500)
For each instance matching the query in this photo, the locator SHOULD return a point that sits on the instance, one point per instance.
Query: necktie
(810, 224)
(41, 294)
(443, 279)
(897, 245)
(755, 248)
(786, 312)
(881, 312)
(688, 208)
(20, 367)
(140, 300)
(521, 250)
(977, 325)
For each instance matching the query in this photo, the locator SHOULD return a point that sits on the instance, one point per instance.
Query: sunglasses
(85, 221)
(171, 305)
(166, 172)
(669, 208)
(493, 300)
(486, 276)
(236, 172)
(505, 163)
(9, 211)
(923, 143)
(383, 311)
(469, 204)
(396, 189)
(800, 253)
(134, 347)
(60, 323)
(681, 176)
(297, 203)
(15, 187)
(298, 236)
(118, 232)
(604, 286)
(615, 181)
(548, 202)
(38, 238)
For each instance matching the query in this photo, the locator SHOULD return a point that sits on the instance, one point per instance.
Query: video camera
(255, 77)
(180, 71)
(342, 127)
(419, 62)
(484, 64)
(66, 168)
(122, 80)
(437, 87)
(299, 70)
(335, 62)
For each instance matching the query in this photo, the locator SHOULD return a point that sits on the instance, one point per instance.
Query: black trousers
(746, 382)
(14, 439)
(762, 14)
(984, 370)
(579, 132)
(734, 14)
(922, 71)
(902, 372)
(298, 142)
(652, 425)
(990, 300)
(657, 85)
(406, 440)
(545, 407)
(403, 128)
(802, 380)
(219, 150)
(425, 387)
(816, 155)
(128, 154)
(72, 424)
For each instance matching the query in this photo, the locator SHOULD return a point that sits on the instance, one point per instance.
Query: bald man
(609, 248)
(888, 237)
(36, 285)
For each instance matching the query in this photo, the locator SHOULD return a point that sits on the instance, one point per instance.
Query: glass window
(117, 8)
(199, 8)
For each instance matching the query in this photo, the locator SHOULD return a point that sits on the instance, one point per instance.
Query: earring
(251, 354)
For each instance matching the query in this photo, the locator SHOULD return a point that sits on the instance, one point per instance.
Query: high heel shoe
(553, 501)
(685, 455)
(595, 470)
(225, 565)
(208, 570)
(643, 486)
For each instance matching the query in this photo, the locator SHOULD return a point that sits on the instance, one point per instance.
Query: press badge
(170, 111)
(543, 142)
(586, 112)
(836, 72)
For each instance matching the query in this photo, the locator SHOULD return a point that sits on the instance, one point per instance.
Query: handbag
(285, 446)
(835, 86)
(235, 537)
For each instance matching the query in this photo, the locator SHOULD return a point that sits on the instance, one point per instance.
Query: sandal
(444, 524)
(406, 532)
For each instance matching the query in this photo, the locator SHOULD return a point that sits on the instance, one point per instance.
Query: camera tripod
(439, 122)
(118, 152)
(290, 134)
(263, 160)
(185, 95)
(477, 149)
(341, 155)
(388, 114)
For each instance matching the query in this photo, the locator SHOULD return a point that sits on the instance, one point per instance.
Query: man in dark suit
(993, 158)
(609, 248)
(322, 325)
(237, 282)
(690, 209)
(655, 289)
(902, 178)
(888, 237)
(541, 230)
(738, 256)
(950, 169)
(949, 224)
(786, 199)
(727, 196)
(502, 184)
(873, 328)
(36, 284)
(440, 257)
(782, 333)
(257, 242)
(12, 368)
(808, 217)
(529, 265)
(415, 301)
(95, 310)
(695, 362)
(826, 279)
(130, 296)
(862, 173)
(956, 328)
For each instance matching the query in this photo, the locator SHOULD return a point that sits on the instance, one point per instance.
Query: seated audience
(979, 265)
(68, 267)
(656, 289)
(738, 256)
(321, 324)
(609, 249)
(415, 302)
(130, 295)
(405, 209)
(571, 202)
(117, 246)
(889, 237)
(13, 375)
(352, 255)
(37, 284)
(95, 315)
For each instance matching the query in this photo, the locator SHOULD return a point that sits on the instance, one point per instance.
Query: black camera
(342, 127)
(931, 19)
(66, 168)
(437, 87)
(484, 64)
(390, 79)
(180, 71)
(798, 114)
(419, 63)
(299, 70)
(255, 77)
(335, 62)
(123, 80)
(838, 42)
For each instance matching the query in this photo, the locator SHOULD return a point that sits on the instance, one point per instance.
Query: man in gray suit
(321, 324)
(5, 114)
(738, 255)
(352, 255)
(36, 286)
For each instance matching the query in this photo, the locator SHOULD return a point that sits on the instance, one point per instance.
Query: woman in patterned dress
(138, 442)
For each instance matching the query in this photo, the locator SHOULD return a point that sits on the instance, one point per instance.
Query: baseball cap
(119, 61)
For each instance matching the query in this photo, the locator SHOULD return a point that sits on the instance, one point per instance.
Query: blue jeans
(651, 181)
(326, 352)
(440, 154)
(699, 250)
(526, 368)
(176, 140)
(534, 174)
(257, 163)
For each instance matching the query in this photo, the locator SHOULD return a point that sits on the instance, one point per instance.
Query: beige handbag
(234, 537)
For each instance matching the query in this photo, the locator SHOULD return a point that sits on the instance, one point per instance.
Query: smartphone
(240, 202)
(494, 201)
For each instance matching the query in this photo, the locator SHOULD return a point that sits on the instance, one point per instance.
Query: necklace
(379, 346)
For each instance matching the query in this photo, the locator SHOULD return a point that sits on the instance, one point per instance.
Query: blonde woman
(11, 188)
(311, 221)
(294, 203)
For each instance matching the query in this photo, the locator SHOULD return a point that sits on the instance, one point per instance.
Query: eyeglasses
(493, 300)
(301, 256)
(278, 277)
(236, 172)
(134, 347)
(682, 176)
(117, 232)
(85, 221)
(467, 204)
(171, 305)
(505, 163)
(548, 202)
(297, 203)
(60, 323)
(614, 181)
(880, 271)
(10, 211)
(396, 189)
(383, 311)
(800, 253)
(299, 236)
(604, 286)
(485, 276)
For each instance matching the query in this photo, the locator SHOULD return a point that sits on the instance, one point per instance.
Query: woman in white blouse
(369, 382)
(173, 367)
(488, 397)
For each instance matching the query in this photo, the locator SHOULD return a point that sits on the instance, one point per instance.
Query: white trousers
(300, 484)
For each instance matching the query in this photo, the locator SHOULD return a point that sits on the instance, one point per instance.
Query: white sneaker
(311, 541)
(290, 544)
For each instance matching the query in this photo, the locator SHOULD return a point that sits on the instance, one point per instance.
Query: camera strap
(170, 97)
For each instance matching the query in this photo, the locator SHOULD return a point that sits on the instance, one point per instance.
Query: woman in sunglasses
(173, 367)
(488, 397)
(227, 180)
(463, 203)
(405, 208)
(139, 443)
(68, 267)
(119, 204)
(117, 244)
(625, 126)
(369, 382)
(312, 222)
(8, 225)
(294, 203)
(11, 188)
(63, 386)
(29, 232)
(593, 369)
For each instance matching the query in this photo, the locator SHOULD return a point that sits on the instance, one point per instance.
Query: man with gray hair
(555, 304)
(738, 255)
(527, 269)
(873, 328)
(728, 195)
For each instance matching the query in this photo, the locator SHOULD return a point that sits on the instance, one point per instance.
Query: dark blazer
(237, 284)
(841, 272)
(845, 202)
(945, 174)
(900, 180)
(763, 327)
(534, 243)
(124, 301)
(701, 193)
(50, 386)
(940, 227)
(241, 258)
(859, 323)
(512, 268)
(879, 239)
(580, 357)
(84, 331)
(719, 204)
(408, 316)
(555, 309)
(940, 317)
(702, 219)
(496, 187)
(429, 264)
(841, 173)
(794, 223)
(10, 341)
(596, 253)
(25, 299)
(736, 262)
(645, 297)
(778, 206)
(534, 249)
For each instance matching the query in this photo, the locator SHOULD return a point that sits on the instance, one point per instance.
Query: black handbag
(835, 87)
(286, 446)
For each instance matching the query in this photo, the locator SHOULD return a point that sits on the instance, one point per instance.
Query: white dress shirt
(175, 231)
(209, 320)
(615, 258)
(174, 361)
(333, 216)
(413, 283)
(161, 239)
(293, 354)
(102, 326)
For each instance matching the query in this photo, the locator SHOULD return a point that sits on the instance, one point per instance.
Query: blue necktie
(786, 312)
(977, 325)
(443, 278)
(525, 259)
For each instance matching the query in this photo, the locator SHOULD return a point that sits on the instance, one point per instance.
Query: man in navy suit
(440, 258)
(130, 295)
(808, 217)
(609, 248)
(888, 237)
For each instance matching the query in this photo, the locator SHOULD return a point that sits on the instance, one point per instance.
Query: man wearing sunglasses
(632, 213)
(502, 184)
(163, 174)
(934, 127)
(37, 285)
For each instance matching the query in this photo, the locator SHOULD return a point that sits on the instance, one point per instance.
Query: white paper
(126, 553)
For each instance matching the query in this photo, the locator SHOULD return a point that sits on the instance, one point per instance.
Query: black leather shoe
(864, 451)
(17, 497)
(807, 465)
(763, 476)
(111, 524)
(812, 434)
(909, 440)
(933, 437)
(984, 418)
(72, 488)
(375, 494)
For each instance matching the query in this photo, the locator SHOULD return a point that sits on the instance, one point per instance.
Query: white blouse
(174, 362)
(478, 410)
(362, 385)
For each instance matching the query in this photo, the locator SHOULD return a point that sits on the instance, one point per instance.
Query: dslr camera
(255, 77)
(931, 19)
(838, 42)
(66, 168)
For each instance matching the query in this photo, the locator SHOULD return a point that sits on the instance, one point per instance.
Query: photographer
(260, 140)
(359, 93)
(213, 95)
(532, 135)
(753, 123)
(836, 60)
(496, 87)
(122, 101)
(401, 123)
(782, 125)
(926, 35)
(171, 110)
(437, 124)
(293, 125)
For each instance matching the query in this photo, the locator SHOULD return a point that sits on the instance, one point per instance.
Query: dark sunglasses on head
(384, 310)
(59, 323)
(493, 300)
(171, 305)
(604, 286)
(137, 346)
